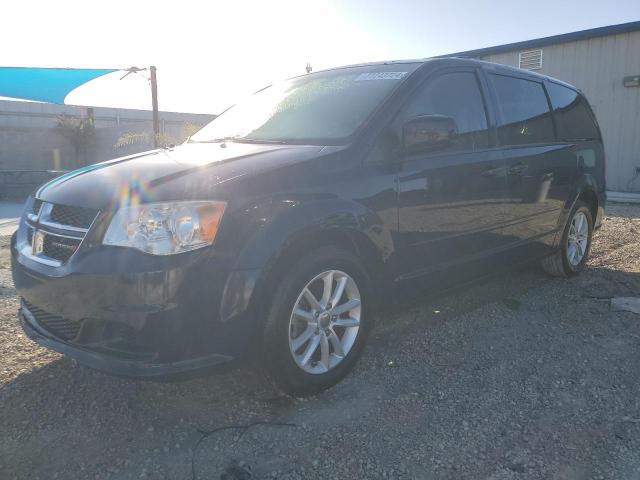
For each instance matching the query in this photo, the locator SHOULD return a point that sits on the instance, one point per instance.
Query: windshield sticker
(380, 76)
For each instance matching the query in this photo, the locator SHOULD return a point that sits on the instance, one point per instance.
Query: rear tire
(339, 337)
(575, 244)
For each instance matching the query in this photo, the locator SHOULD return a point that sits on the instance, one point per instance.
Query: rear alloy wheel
(318, 322)
(578, 238)
(575, 244)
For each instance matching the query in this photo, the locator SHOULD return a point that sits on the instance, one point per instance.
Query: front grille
(59, 248)
(80, 217)
(54, 232)
(58, 326)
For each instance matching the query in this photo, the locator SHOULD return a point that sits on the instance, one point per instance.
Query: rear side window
(524, 111)
(574, 120)
(456, 95)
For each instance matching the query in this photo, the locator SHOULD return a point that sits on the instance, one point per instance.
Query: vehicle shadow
(66, 379)
(65, 407)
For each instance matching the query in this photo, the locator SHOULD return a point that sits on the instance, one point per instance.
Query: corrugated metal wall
(597, 66)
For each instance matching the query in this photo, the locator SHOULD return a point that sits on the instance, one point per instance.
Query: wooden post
(154, 102)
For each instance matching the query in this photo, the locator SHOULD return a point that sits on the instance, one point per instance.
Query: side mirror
(427, 133)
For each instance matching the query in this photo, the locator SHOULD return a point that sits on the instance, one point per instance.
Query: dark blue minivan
(275, 231)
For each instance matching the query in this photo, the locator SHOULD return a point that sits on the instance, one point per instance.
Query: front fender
(294, 220)
(282, 226)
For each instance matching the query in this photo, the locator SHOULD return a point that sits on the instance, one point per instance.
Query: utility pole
(154, 98)
(154, 103)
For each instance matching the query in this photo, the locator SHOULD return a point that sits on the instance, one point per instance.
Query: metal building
(605, 64)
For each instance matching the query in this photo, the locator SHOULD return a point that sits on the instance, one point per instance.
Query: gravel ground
(517, 377)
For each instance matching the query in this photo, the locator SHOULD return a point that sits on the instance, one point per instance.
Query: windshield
(320, 108)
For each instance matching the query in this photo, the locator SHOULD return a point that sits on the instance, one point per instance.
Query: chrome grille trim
(41, 223)
(59, 226)
(35, 210)
(27, 252)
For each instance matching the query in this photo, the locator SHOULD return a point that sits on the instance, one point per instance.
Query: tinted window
(456, 95)
(524, 111)
(573, 117)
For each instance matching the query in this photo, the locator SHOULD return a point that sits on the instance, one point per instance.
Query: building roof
(554, 39)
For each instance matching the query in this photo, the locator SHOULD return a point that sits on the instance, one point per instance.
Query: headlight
(166, 228)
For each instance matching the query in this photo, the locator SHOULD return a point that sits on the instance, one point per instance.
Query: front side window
(324, 108)
(524, 111)
(456, 95)
(574, 120)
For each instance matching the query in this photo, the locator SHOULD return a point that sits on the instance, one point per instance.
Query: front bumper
(115, 364)
(133, 314)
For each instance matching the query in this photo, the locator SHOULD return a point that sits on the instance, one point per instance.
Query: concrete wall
(597, 66)
(29, 136)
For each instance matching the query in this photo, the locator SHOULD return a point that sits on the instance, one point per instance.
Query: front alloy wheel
(325, 321)
(318, 321)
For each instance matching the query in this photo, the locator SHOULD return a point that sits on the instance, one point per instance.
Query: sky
(211, 53)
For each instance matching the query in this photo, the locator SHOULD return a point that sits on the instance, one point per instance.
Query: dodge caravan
(275, 231)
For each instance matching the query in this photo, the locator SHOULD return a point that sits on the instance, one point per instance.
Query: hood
(189, 171)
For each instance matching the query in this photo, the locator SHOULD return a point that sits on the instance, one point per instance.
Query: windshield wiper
(214, 140)
(257, 140)
(238, 140)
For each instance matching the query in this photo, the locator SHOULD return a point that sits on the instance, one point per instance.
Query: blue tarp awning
(50, 85)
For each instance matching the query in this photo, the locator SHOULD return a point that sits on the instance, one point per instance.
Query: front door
(451, 201)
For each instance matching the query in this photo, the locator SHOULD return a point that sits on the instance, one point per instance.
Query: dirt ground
(517, 377)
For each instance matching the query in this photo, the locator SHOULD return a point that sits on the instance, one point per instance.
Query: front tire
(575, 244)
(318, 322)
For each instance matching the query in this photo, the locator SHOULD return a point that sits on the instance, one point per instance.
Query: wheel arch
(586, 191)
(349, 239)
(346, 225)
(589, 196)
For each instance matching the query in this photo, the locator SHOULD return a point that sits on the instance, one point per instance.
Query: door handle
(518, 168)
(492, 171)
